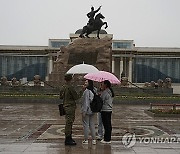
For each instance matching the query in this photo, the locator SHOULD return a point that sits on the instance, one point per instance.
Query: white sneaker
(93, 142)
(99, 138)
(105, 142)
(85, 142)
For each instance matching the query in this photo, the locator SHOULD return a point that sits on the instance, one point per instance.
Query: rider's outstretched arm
(97, 9)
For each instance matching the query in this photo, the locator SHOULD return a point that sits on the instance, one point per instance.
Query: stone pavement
(38, 129)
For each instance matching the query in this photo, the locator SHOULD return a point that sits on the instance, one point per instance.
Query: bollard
(174, 107)
(150, 106)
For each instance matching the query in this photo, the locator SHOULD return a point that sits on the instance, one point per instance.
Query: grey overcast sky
(150, 23)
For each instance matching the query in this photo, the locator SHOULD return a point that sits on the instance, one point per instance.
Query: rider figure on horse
(91, 15)
(94, 23)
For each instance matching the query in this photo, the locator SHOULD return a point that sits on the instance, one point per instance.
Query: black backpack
(96, 104)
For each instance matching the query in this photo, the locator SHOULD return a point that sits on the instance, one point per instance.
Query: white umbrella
(82, 69)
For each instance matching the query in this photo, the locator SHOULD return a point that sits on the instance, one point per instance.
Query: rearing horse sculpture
(98, 23)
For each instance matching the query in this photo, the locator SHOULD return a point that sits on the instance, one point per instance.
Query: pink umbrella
(101, 76)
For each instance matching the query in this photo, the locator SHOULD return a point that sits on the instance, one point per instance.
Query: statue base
(96, 52)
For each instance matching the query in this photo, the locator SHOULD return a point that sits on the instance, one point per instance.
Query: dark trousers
(106, 120)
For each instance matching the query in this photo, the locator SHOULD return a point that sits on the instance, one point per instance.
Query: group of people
(69, 96)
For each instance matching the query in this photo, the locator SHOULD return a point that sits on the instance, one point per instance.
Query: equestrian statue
(94, 24)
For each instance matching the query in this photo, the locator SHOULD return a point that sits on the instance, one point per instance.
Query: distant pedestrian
(87, 114)
(106, 112)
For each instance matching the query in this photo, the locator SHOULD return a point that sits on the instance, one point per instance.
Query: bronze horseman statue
(93, 23)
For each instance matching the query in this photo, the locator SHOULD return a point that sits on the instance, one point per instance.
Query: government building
(138, 64)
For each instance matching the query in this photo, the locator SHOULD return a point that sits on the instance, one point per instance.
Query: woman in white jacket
(87, 114)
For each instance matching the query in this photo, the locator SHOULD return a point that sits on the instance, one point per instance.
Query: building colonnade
(122, 66)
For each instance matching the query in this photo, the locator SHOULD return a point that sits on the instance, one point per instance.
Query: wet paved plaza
(38, 129)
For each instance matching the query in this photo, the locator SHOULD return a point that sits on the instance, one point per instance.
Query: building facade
(146, 64)
(139, 64)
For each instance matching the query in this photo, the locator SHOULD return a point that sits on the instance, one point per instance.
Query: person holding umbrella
(106, 78)
(100, 128)
(106, 112)
(87, 114)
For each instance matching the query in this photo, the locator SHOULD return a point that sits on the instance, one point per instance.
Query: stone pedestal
(97, 52)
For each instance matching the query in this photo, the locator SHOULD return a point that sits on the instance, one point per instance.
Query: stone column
(113, 65)
(130, 69)
(4, 66)
(50, 65)
(121, 66)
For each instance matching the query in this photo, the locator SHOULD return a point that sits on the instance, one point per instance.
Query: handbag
(61, 110)
(60, 106)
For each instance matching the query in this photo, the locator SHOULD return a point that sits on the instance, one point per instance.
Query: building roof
(157, 49)
(17, 49)
(21, 47)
